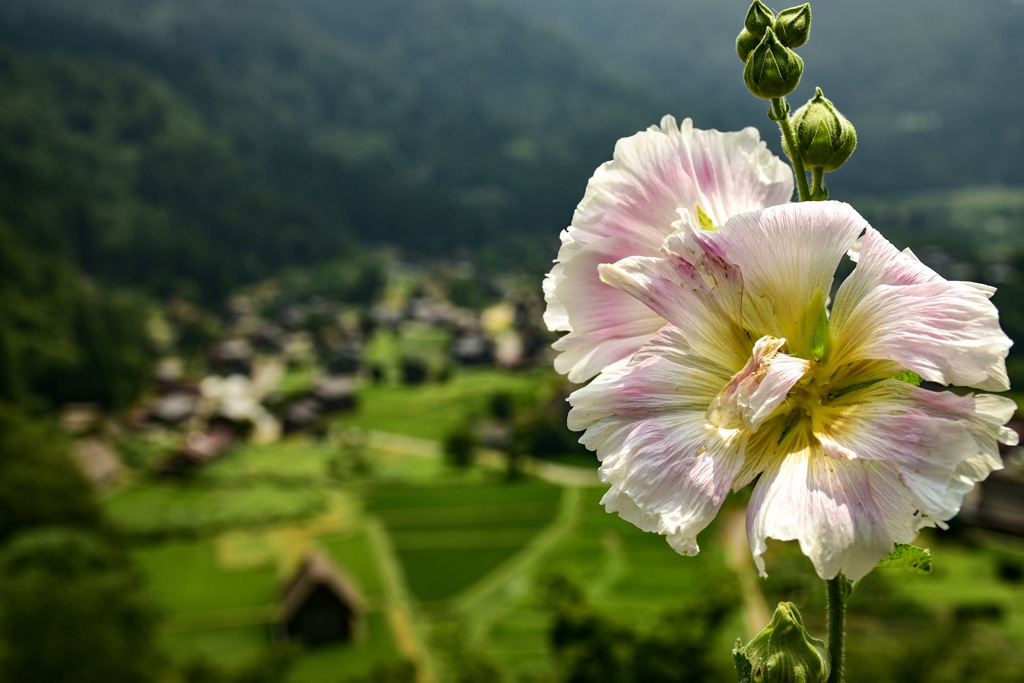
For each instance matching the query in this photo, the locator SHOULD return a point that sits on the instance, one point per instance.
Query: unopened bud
(825, 137)
(759, 19)
(772, 70)
(784, 652)
(793, 26)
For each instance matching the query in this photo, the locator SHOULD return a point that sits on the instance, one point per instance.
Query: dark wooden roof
(317, 570)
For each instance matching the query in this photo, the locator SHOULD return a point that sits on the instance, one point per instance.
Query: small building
(231, 357)
(320, 605)
(336, 393)
(97, 461)
(199, 448)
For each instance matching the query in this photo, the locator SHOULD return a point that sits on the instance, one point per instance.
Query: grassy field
(450, 536)
(157, 509)
(432, 410)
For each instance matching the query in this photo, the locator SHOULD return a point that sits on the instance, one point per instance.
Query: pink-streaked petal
(878, 263)
(664, 378)
(984, 416)
(846, 514)
(893, 307)
(675, 471)
(656, 172)
(756, 391)
(630, 205)
(940, 443)
(947, 332)
(668, 469)
(606, 325)
(788, 256)
(675, 291)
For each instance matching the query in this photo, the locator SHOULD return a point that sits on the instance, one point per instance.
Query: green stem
(780, 112)
(817, 181)
(838, 591)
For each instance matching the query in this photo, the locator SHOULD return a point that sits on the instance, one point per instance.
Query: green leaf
(909, 557)
(909, 377)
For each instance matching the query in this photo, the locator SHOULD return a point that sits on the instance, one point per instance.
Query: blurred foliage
(682, 647)
(39, 484)
(72, 610)
(63, 338)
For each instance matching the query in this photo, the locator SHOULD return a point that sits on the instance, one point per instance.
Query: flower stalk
(779, 112)
(838, 591)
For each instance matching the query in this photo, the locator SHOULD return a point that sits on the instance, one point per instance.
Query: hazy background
(385, 182)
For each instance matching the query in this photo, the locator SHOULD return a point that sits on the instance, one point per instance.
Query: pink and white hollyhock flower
(752, 378)
(629, 207)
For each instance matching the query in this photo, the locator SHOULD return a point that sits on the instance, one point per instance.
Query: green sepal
(744, 669)
(821, 340)
(909, 557)
(745, 44)
(705, 220)
(758, 20)
(793, 25)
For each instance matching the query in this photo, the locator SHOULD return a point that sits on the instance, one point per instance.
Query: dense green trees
(71, 605)
(72, 610)
(64, 338)
(39, 484)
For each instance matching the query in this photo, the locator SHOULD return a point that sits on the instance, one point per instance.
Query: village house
(320, 604)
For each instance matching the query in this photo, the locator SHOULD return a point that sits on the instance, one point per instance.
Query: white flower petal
(634, 199)
(606, 324)
(893, 307)
(947, 332)
(846, 514)
(669, 470)
(664, 377)
(787, 256)
(708, 317)
(940, 443)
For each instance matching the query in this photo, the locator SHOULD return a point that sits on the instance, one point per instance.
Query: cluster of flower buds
(824, 139)
(765, 45)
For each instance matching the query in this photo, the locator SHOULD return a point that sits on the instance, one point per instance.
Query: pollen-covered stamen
(755, 392)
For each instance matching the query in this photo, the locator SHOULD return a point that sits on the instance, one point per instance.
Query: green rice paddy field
(427, 546)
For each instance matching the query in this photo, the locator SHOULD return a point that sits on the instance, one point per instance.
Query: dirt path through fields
(734, 533)
(409, 637)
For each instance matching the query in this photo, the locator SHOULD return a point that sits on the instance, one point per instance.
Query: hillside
(933, 86)
(448, 123)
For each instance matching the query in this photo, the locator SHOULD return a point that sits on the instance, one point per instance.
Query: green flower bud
(772, 69)
(784, 652)
(759, 19)
(793, 26)
(825, 137)
(745, 44)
